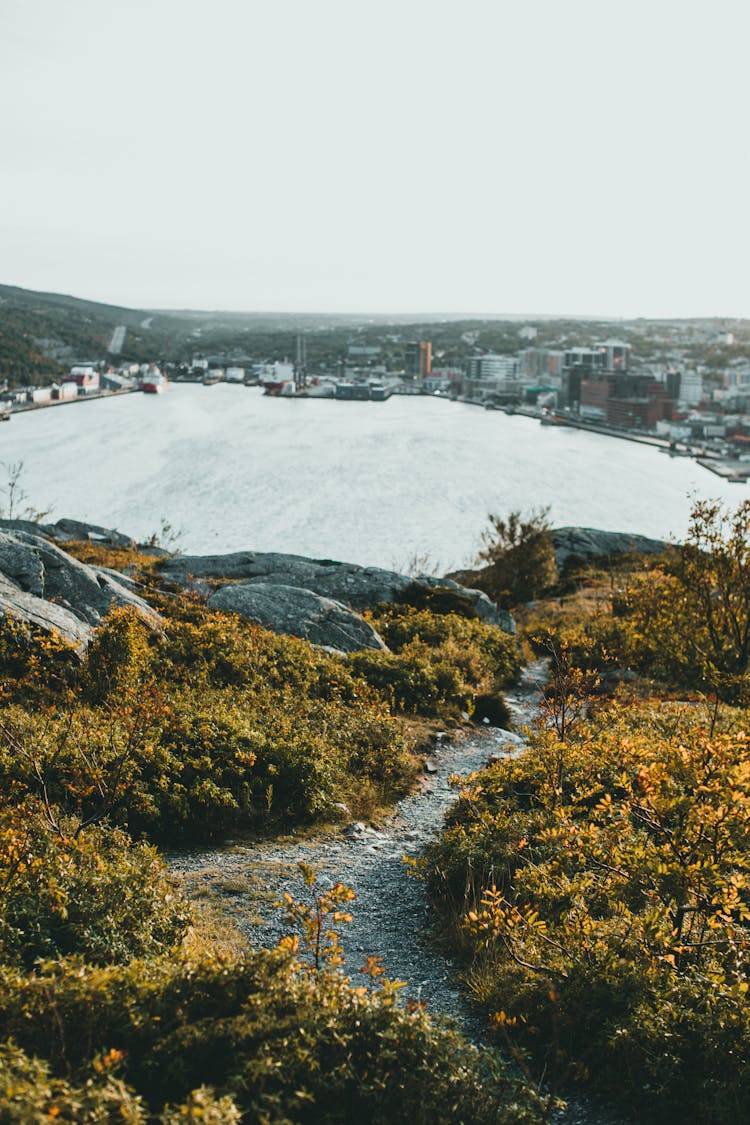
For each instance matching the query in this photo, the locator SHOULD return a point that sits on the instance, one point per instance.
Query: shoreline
(27, 407)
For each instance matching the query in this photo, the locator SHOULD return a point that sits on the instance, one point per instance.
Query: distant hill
(42, 333)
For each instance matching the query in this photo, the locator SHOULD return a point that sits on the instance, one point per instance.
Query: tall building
(418, 359)
(492, 376)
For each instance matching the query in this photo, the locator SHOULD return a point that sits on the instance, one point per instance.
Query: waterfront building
(85, 376)
(616, 354)
(625, 401)
(418, 359)
(492, 378)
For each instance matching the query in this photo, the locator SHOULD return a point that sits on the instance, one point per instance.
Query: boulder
(41, 584)
(45, 615)
(360, 587)
(586, 544)
(299, 612)
(66, 530)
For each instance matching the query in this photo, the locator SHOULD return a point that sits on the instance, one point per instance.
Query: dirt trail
(391, 914)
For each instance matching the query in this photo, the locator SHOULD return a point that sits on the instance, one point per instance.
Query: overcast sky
(478, 156)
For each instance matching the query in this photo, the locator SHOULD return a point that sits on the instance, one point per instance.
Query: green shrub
(600, 887)
(519, 557)
(441, 663)
(497, 650)
(98, 895)
(198, 763)
(30, 1096)
(283, 1045)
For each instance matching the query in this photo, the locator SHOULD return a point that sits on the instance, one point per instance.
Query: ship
(155, 383)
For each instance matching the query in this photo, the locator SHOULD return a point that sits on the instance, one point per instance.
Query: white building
(691, 387)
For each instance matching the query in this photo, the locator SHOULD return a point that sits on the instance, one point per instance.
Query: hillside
(41, 334)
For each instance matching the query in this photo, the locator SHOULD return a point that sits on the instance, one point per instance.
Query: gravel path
(391, 912)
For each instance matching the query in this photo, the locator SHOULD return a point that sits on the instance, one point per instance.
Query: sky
(483, 157)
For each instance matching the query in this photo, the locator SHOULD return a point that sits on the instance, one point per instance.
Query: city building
(625, 401)
(492, 378)
(418, 359)
(85, 376)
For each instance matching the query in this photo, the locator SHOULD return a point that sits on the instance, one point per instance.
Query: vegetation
(518, 557)
(596, 886)
(118, 1000)
(440, 664)
(255, 1038)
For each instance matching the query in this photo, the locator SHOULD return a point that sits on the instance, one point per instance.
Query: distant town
(681, 385)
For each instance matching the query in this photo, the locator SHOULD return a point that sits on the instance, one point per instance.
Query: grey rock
(45, 615)
(299, 612)
(360, 587)
(66, 530)
(584, 544)
(45, 586)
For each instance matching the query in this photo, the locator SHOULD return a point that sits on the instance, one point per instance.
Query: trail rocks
(41, 584)
(299, 612)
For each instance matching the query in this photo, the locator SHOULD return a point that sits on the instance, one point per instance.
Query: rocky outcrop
(45, 615)
(586, 544)
(299, 612)
(43, 585)
(64, 531)
(359, 587)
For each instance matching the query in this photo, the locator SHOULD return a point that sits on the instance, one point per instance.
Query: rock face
(66, 530)
(299, 612)
(359, 587)
(41, 584)
(582, 544)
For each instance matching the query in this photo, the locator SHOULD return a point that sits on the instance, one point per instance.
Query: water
(373, 483)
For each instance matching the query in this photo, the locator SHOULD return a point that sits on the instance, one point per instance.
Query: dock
(727, 470)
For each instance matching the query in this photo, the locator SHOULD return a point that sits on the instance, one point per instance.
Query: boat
(358, 391)
(380, 392)
(321, 388)
(155, 383)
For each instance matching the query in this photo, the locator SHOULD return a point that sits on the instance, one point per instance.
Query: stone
(45, 586)
(44, 615)
(359, 587)
(299, 612)
(66, 530)
(584, 544)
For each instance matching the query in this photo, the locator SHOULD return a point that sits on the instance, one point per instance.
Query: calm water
(374, 483)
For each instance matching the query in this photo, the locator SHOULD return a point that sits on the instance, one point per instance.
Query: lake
(378, 483)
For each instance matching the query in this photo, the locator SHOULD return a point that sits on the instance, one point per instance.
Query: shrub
(519, 557)
(29, 1095)
(97, 895)
(283, 1045)
(601, 887)
(441, 663)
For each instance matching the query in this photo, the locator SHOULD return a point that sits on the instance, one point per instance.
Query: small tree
(688, 619)
(519, 555)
